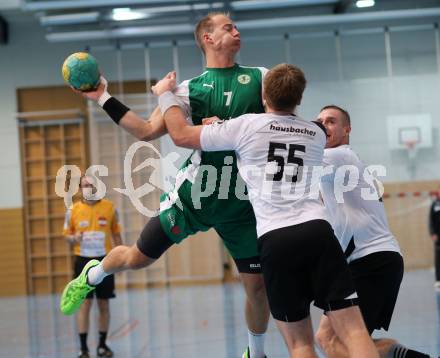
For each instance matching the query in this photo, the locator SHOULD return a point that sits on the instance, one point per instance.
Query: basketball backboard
(409, 130)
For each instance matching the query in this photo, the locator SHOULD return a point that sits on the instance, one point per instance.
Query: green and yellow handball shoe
(76, 290)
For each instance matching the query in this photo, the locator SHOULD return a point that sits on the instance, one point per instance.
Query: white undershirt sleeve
(264, 71)
(182, 94)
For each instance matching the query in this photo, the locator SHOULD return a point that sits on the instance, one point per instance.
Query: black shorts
(106, 289)
(249, 265)
(153, 241)
(377, 278)
(301, 264)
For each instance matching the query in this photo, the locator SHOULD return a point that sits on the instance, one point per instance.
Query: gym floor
(191, 322)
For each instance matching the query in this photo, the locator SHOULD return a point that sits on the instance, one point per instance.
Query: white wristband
(103, 98)
(167, 100)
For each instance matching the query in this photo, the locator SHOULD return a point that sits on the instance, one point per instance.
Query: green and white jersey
(225, 93)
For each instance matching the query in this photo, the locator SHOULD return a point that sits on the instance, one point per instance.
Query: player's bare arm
(181, 132)
(142, 129)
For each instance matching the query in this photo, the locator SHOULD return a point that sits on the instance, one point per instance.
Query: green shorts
(233, 220)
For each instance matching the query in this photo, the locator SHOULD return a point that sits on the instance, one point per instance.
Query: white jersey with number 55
(277, 157)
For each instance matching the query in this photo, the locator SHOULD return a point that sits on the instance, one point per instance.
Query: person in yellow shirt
(92, 228)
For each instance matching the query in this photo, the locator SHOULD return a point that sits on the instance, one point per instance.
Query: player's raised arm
(173, 110)
(183, 134)
(151, 129)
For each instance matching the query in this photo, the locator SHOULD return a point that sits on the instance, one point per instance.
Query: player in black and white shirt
(358, 217)
(434, 230)
(278, 154)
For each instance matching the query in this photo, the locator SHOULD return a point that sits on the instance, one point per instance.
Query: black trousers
(437, 260)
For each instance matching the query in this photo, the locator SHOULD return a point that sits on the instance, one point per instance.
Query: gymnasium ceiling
(103, 20)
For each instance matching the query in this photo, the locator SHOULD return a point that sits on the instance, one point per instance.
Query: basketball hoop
(410, 133)
(411, 147)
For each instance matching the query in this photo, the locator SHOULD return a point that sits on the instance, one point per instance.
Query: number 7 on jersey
(228, 98)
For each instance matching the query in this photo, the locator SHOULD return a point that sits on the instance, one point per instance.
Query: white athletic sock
(256, 344)
(96, 274)
(399, 351)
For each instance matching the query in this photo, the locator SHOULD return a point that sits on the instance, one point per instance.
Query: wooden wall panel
(50, 137)
(12, 253)
(48, 99)
(408, 219)
(48, 254)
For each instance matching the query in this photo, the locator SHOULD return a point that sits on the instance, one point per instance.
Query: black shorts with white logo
(249, 265)
(377, 278)
(106, 289)
(301, 264)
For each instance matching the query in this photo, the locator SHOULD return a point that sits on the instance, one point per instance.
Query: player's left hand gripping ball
(80, 70)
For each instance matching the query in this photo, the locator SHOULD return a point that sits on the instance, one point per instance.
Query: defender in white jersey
(301, 258)
(360, 224)
(359, 220)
